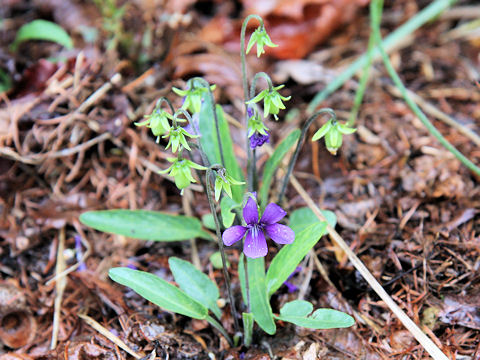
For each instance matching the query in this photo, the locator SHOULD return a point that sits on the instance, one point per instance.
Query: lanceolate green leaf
(303, 217)
(195, 284)
(159, 292)
(145, 225)
(42, 30)
(273, 162)
(288, 258)
(297, 312)
(259, 302)
(209, 142)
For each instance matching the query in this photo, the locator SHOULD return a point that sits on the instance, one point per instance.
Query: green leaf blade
(159, 292)
(288, 258)
(209, 142)
(296, 308)
(259, 302)
(297, 312)
(144, 224)
(42, 30)
(303, 217)
(273, 162)
(195, 284)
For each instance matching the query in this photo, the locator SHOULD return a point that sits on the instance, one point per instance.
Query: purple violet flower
(255, 244)
(257, 139)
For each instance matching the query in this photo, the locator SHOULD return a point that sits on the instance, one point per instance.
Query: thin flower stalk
(243, 57)
(300, 141)
(222, 250)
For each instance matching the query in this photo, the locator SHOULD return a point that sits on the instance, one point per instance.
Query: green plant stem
(164, 99)
(253, 86)
(220, 328)
(376, 14)
(215, 117)
(252, 164)
(294, 158)
(245, 94)
(222, 250)
(363, 83)
(428, 13)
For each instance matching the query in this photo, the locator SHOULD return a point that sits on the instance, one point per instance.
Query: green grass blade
(427, 14)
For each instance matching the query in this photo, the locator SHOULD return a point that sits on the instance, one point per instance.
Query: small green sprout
(261, 38)
(333, 132)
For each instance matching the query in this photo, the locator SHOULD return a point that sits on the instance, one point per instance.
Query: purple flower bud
(250, 112)
(257, 139)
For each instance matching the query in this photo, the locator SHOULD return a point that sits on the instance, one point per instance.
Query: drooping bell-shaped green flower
(192, 97)
(181, 170)
(176, 138)
(272, 101)
(224, 181)
(333, 132)
(261, 38)
(158, 121)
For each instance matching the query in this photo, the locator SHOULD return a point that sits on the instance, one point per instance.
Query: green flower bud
(192, 98)
(176, 139)
(158, 121)
(261, 38)
(333, 132)
(272, 101)
(181, 171)
(224, 181)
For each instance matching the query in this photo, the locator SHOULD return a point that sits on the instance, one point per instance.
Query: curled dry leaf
(17, 325)
(461, 310)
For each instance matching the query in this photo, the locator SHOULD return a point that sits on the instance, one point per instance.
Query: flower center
(255, 229)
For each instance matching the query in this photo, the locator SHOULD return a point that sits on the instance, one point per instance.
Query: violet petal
(233, 234)
(255, 245)
(281, 234)
(250, 212)
(272, 214)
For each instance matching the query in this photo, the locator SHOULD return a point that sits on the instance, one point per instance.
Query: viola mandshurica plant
(240, 209)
